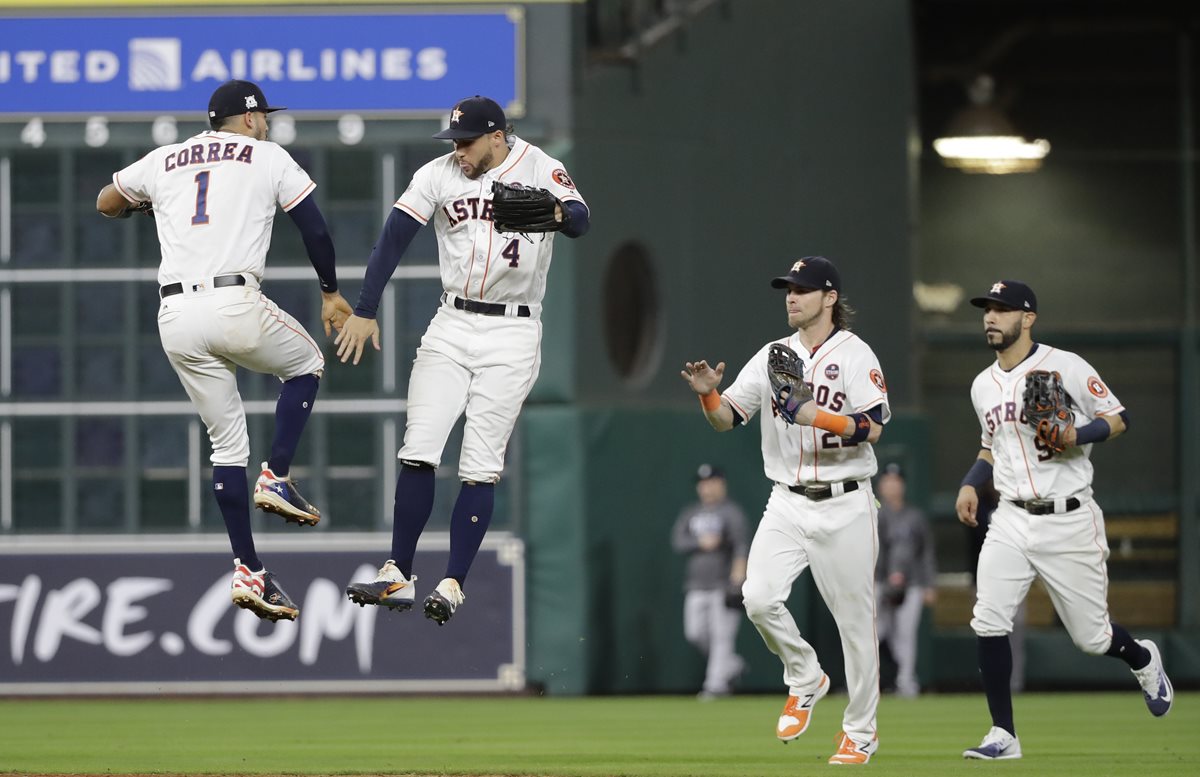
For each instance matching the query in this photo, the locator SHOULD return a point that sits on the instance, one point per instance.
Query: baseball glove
(520, 208)
(894, 595)
(733, 596)
(786, 372)
(145, 207)
(1046, 408)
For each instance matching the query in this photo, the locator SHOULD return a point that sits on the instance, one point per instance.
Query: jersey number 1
(201, 214)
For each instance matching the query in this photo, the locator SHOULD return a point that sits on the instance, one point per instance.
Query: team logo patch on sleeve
(832, 371)
(562, 179)
(877, 379)
(1097, 387)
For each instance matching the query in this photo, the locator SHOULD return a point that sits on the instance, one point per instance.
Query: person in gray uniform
(712, 532)
(905, 576)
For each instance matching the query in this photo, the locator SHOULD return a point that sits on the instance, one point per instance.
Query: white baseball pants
(712, 628)
(899, 627)
(1068, 551)
(208, 334)
(483, 365)
(837, 538)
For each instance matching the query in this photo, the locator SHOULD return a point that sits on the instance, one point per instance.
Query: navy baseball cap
(894, 468)
(706, 471)
(811, 272)
(473, 117)
(233, 98)
(1010, 294)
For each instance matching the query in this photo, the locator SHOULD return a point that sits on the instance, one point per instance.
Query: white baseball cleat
(390, 589)
(279, 495)
(444, 600)
(998, 745)
(1156, 686)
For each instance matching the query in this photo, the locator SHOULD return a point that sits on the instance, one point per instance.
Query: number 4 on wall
(34, 133)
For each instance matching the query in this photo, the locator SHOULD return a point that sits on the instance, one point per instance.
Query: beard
(485, 164)
(1007, 338)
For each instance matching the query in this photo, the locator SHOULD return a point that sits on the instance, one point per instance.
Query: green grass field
(1064, 735)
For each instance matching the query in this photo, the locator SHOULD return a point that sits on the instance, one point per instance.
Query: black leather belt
(1044, 506)
(218, 282)
(488, 308)
(821, 493)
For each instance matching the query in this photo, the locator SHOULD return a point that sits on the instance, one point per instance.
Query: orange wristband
(711, 402)
(831, 422)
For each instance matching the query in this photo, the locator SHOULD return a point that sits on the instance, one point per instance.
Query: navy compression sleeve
(398, 232)
(317, 242)
(575, 218)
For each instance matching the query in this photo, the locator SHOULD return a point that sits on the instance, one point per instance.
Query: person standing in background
(712, 532)
(905, 576)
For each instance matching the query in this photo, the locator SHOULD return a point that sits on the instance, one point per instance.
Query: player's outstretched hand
(967, 505)
(354, 335)
(701, 377)
(334, 312)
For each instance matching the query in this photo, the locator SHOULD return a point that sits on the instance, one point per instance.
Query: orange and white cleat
(793, 721)
(852, 752)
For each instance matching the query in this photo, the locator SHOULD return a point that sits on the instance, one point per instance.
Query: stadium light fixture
(981, 139)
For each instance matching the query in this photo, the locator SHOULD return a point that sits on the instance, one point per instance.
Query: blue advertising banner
(88, 615)
(375, 63)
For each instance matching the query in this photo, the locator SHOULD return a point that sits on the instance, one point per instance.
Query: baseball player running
(817, 424)
(482, 350)
(1041, 409)
(213, 198)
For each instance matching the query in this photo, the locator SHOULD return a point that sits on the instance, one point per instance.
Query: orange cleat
(793, 721)
(851, 752)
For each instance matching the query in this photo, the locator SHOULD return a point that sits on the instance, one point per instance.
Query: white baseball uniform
(214, 198)
(1067, 547)
(835, 537)
(483, 364)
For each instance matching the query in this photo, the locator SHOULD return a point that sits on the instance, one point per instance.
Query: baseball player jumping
(824, 402)
(482, 350)
(213, 198)
(1041, 409)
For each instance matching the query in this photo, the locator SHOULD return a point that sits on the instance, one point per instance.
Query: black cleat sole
(363, 598)
(437, 610)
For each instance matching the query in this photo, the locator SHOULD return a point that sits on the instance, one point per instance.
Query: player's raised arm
(704, 381)
(319, 245)
(398, 232)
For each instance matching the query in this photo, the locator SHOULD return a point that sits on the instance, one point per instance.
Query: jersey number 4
(201, 214)
(512, 253)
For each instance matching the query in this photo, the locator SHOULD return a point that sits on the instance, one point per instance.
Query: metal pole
(1189, 370)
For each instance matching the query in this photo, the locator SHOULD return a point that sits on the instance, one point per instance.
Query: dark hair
(843, 314)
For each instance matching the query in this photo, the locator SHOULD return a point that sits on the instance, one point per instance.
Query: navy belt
(218, 282)
(488, 308)
(1044, 506)
(821, 493)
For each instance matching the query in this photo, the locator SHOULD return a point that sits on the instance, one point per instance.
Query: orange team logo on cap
(877, 379)
(996, 288)
(455, 115)
(561, 177)
(1097, 387)
(797, 266)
